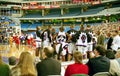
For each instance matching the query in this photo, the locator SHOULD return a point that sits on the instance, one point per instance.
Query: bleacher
(93, 11)
(110, 11)
(53, 13)
(5, 20)
(73, 12)
(33, 26)
(30, 26)
(25, 25)
(34, 15)
(12, 24)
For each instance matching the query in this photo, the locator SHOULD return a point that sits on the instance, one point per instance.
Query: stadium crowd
(99, 44)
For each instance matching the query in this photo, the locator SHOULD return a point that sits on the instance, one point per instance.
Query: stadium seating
(73, 12)
(93, 11)
(30, 26)
(53, 13)
(33, 26)
(110, 10)
(12, 24)
(116, 5)
(25, 25)
(37, 15)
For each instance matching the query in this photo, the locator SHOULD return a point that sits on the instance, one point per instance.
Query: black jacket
(109, 43)
(48, 66)
(98, 64)
(48, 32)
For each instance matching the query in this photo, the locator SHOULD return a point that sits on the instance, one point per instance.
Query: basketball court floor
(7, 51)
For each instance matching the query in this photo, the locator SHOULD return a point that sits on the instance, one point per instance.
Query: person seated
(4, 68)
(118, 56)
(110, 54)
(25, 66)
(114, 65)
(12, 61)
(48, 66)
(99, 63)
(78, 67)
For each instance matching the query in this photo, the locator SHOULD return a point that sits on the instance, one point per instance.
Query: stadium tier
(59, 12)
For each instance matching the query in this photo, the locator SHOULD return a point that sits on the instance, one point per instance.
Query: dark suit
(48, 35)
(98, 64)
(48, 66)
(109, 43)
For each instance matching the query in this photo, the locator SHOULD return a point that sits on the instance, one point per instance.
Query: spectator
(48, 66)
(110, 54)
(100, 63)
(109, 42)
(100, 38)
(12, 61)
(78, 66)
(118, 56)
(116, 41)
(114, 65)
(4, 68)
(25, 66)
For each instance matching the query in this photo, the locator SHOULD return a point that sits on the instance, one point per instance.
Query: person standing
(100, 38)
(46, 37)
(48, 66)
(10, 41)
(17, 41)
(61, 43)
(38, 42)
(116, 40)
(81, 41)
(110, 40)
(71, 43)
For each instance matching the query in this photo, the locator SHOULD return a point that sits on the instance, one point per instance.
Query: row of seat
(72, 12)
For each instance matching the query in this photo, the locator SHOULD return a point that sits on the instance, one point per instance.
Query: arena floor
(7, 51)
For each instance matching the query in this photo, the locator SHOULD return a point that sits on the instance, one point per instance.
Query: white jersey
(46, 36)
(38, 39)
(82, 41)
(61, 37)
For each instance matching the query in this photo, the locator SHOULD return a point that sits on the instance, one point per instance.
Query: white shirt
(116, 43)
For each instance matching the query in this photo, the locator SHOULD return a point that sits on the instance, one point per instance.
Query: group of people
(99, 44)
(103, 61)
(65, 43)
(25, 65)
(83, 40)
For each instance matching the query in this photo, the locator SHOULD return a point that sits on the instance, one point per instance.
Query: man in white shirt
(116, 40)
